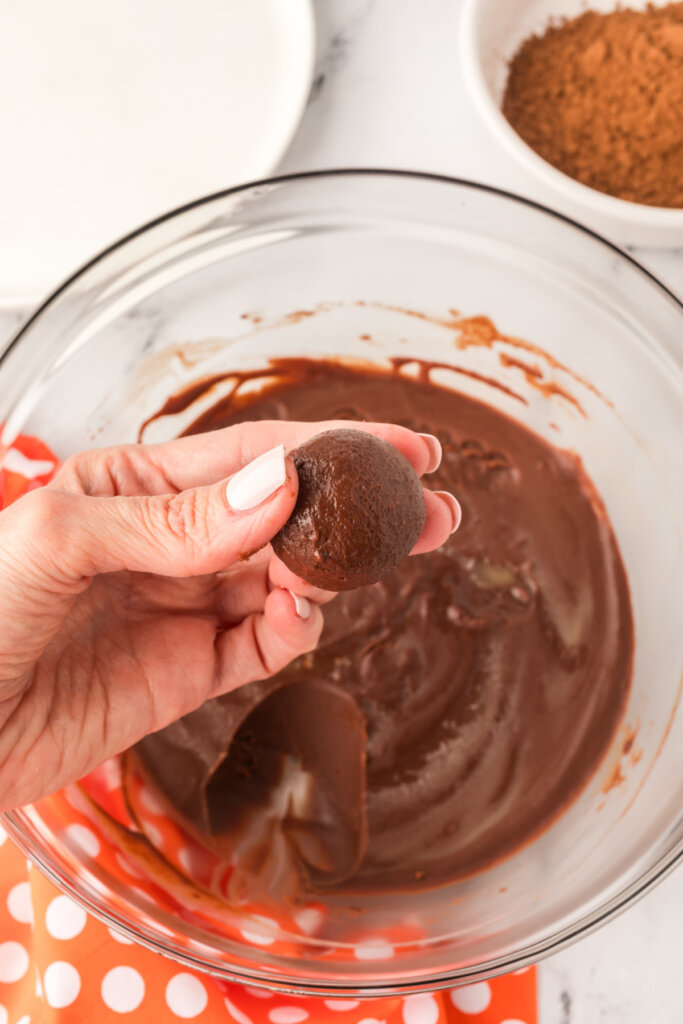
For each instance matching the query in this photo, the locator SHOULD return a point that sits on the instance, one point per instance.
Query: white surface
(388, 91)
(490, 36)
(121, 109)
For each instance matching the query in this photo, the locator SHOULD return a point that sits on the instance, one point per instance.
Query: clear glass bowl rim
(434, 981)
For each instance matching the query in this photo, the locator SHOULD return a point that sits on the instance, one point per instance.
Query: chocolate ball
(359, 511)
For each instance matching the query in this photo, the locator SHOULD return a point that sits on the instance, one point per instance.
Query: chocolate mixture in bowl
(453, 709)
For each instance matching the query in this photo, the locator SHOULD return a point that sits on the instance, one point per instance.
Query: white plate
(116, 110)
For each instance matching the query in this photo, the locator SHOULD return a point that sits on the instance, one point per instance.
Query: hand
(127, 597)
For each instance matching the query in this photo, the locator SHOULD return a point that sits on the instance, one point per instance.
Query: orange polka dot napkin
(59, 965)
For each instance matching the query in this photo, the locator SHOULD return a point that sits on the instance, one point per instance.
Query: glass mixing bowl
(371, 265)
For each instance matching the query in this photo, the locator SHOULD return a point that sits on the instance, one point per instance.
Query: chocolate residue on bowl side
(481, 332)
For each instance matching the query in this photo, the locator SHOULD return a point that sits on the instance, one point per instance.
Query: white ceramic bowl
(491, 33)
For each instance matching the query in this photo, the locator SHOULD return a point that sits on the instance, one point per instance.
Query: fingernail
(454, 506)
(435, 451)
(257, 480)
(303, 607)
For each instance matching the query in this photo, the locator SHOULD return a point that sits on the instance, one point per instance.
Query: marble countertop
(388, 92)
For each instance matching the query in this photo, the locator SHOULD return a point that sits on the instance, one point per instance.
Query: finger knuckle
(42, 515)
(102, 472)
(69, 474)
(186, 519)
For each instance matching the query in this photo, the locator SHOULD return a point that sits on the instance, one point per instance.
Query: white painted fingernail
(303, 607)
(258, 480)
(435, 451)
(454, 506)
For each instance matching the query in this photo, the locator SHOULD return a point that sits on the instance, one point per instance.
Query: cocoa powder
(600, 97)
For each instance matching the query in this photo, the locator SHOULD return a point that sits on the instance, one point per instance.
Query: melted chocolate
(490, 675)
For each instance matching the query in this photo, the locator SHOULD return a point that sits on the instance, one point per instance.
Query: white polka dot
(287, 1015)
(118, 937)
(342, 1005)
(146, 896)
(78, 800)
(129, 868)
(84, 838)
(257, 938)
(64, 919)
(110, 773)
(522, 970)
(420, 1010)
(39, 987)
(472, 998)
(309, 920)
(62, 983)
(371, 1020)
(122, 989)
(237, 1014)
(260, 993)
(185, 860)
(374, 949)
(512, 1020)
(4, 1016)
(13, 961)
(186, 996)
(152, 832)
(19, 903)
(26, 1019)
(150, 801)
(3, 837)
(29, 865)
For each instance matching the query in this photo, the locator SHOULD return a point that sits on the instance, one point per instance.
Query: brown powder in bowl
(600, 97)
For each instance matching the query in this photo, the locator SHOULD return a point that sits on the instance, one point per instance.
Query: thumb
(197, 531)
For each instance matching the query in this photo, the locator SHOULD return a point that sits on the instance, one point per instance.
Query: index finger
(202, 459)
(193, 460)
